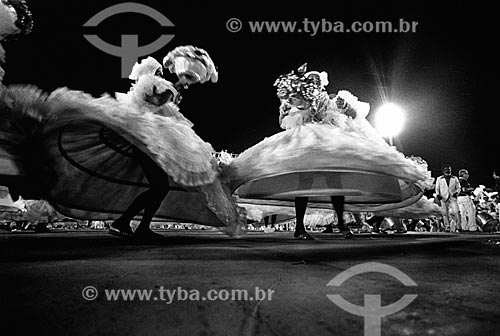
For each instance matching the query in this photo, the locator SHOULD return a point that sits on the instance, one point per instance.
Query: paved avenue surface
(43, 277)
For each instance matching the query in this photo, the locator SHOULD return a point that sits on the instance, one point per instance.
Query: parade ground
(205, 283)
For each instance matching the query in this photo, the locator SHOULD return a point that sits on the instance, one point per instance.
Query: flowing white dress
(77, 152)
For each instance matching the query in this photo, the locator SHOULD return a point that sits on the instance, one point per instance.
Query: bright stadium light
(389, 120)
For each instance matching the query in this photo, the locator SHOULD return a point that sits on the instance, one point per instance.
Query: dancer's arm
(283, 112)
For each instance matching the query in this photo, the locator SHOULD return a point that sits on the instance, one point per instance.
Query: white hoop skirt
(322, 160)
(76, 151)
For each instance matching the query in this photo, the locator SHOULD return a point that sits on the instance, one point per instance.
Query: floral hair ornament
(148, 66)
(301, 84)
(191, 65)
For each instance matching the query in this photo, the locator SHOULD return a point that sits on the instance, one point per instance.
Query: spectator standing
(447, 189)
(465, 203)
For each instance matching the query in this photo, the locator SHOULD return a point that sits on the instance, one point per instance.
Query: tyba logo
(372, 311)
(129, 50)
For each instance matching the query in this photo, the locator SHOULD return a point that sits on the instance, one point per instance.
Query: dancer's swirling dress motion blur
(86, 155)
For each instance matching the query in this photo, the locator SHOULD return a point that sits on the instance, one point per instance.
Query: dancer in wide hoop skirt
(107, 158)
(328, 155)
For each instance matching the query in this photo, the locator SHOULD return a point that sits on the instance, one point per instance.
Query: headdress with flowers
(307, 86)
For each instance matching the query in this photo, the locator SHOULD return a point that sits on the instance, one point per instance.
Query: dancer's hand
(285, 109)
(341, 103)
(160, 99)
(350, 112)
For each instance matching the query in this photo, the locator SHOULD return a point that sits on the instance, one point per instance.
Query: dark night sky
(441, 75)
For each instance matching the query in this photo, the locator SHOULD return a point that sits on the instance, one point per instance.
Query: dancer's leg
(159, 187)
(155, 198)
(121, 226)
(273, 222)
(338, 205)
(123, 222)
(150, 200)
(300, 211)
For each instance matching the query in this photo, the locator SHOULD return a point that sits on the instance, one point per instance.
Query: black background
(442, 75)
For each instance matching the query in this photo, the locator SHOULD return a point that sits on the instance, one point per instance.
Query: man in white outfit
(465, 203)
(447, 190)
